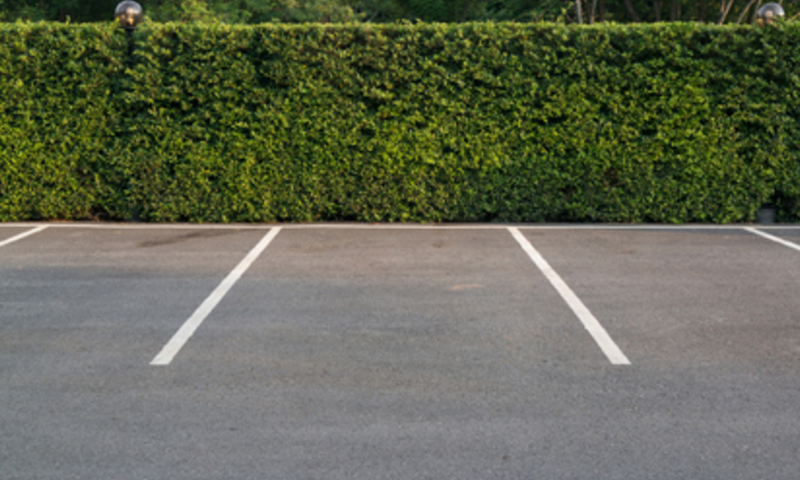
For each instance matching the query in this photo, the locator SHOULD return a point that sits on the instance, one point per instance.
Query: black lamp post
(768, 14)
(129, 14)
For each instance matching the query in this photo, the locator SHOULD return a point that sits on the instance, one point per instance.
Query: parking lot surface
(138, 351)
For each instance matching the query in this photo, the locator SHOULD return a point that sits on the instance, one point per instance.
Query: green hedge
(471, 122)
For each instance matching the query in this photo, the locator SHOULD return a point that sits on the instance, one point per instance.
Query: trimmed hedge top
(424, 122)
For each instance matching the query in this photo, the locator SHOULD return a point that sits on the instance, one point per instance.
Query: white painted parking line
(22, 235)
(592, 325)
(188, 328)
(393, 226)
(774, 238)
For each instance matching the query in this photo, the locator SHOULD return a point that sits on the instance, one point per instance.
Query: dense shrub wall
(475, 122)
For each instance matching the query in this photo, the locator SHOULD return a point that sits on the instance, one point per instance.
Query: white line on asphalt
(188, 328)
(484, 226)
(774, 239)
(22, 235)
(148, 226)
(596, 330)
(392, 226)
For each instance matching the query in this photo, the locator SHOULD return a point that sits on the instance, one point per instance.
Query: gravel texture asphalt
(398, 352)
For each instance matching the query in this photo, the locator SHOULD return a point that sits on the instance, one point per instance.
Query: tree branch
(744, 12)
(465, 10)
(632, 11)
(725, 12)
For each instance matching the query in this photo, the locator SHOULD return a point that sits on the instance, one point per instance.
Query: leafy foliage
(57, 118)
(469, 122)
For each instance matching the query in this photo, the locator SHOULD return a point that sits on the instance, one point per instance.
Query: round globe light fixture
(129, 14)
(769, 13)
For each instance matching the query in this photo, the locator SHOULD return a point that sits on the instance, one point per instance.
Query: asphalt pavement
(340, 351)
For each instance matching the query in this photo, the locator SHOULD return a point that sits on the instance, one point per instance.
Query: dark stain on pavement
(184, 237)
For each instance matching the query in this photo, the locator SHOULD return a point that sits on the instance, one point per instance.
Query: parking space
(105, 298)
(689, 297)
(443, 312)
(339, 351)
